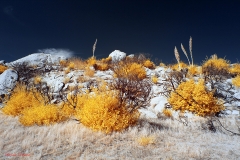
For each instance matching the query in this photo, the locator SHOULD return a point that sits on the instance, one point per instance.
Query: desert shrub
(235, 69)
(175, 67)
(103, 112)
(194, 97)
(146, 140)
(154, 79)
(20, 99)
(149, 64)
(236, 81)
(134, 94)
(216, 66)
(41, 115)
(129, 70)
(3, 68)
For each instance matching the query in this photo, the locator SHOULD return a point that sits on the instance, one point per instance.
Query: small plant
(194, 70)
(149, 64)
(71, 65)
(91, 61)
(235, 69)
(154, 79)
(129, 71)
(146, 140)
(167, 112)
(181, 65)
(2, 68)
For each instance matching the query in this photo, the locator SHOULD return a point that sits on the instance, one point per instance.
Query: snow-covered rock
(8, 80)
(117, 55)
(39, 59)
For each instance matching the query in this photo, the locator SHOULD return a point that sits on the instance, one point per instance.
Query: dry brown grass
(70, 140)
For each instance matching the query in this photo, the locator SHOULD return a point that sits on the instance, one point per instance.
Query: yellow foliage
(236, 81)
(41, 115)
(149, 64)
(103, 112)
(194, 70)
(71, 65)
(67, 110)
(91, 61)
(130, 70)
(167, 112)
(235, 69)
(176, 66)
(193, 97)
(215, 62)
(154, 79)
(2, 68)
(21, 99)
(146, 140)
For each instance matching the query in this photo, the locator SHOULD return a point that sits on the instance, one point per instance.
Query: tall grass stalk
(184, 51)
(94, 47)
(177, 57)
(190, 49)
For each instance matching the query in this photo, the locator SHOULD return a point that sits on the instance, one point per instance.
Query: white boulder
(8, 80)
(117, 55)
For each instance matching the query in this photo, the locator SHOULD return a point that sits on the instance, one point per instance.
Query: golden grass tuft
(89, 72)
(146, 140)
(154, 79)
(167, 112)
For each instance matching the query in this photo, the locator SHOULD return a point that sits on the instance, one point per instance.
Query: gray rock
(2, 62)
(8, 80)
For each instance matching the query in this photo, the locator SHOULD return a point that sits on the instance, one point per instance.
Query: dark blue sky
(154, 27)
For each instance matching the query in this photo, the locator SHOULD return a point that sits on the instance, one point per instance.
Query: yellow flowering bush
(235, 69)
(41, 115)
(149, 64)
(236, 81)
(20, 99)
(130, 70)
(194, 97)
(2, 68)
(103, 112)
